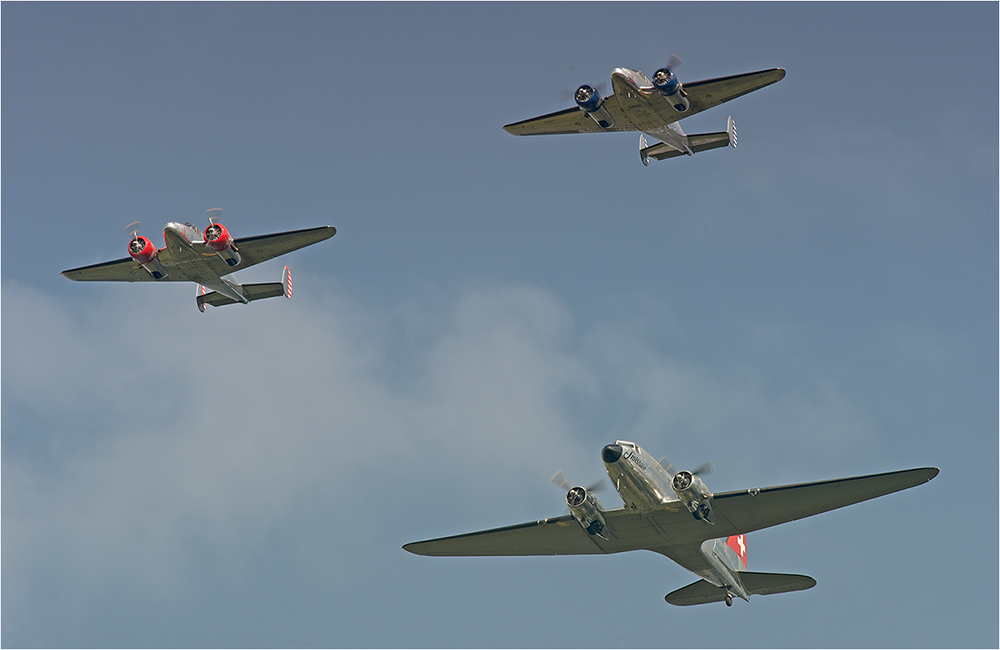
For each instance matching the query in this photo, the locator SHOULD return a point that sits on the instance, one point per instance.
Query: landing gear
(729, 600)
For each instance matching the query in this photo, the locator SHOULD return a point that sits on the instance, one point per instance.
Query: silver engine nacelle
(589, 101)
(668, 85)
(587, 510)
(692, 491)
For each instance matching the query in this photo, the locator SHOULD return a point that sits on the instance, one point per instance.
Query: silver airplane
(653, 107)
(675, 514)
(207, 258)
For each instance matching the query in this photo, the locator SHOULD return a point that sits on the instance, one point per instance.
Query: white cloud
(224, 424)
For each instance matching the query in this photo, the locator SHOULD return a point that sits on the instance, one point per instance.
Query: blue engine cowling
(668, 85)
(589, 101)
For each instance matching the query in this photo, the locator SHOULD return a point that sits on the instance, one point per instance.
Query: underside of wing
(559, 536)
(703, 95)
(571, 120)
(261, 248)
(123, 270)
(749, 510)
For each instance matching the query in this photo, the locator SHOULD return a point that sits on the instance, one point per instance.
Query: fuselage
(647, 109)
(644, 485)
(189, 255)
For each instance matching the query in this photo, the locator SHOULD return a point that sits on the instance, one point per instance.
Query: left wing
(572, 120)
(671, 530)
(123, 270)
(558, 536)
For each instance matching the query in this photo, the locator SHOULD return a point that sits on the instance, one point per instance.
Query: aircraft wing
(571, 120)
(672, 530)
(254, 250)
(703, 95)
(123, 270)
(558, 536)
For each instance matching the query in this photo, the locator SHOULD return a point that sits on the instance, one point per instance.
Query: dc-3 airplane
(652, 107)
(208, 259)
(675, 515)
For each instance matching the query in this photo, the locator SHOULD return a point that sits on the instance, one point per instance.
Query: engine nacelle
(668, 85)
(692, 491)
(219, 240)
(589, 101)
(587, 510)
(143, 252)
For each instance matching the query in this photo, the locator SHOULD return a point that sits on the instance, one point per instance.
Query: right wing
(703, 95)
(254, 250)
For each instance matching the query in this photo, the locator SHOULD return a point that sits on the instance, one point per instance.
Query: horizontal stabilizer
(757, 584)
(252, 292)
(699, 142)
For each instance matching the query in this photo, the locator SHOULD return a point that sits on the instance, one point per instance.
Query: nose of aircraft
(611, 453)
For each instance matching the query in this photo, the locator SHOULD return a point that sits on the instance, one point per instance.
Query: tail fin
(739, 544)
(286, 282)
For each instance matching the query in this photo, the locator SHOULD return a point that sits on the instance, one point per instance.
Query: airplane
(675, 514)
(653, 107)
(207, 258)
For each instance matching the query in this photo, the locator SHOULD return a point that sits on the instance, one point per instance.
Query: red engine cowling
(220, 241)
(142, 250)
(217, 237)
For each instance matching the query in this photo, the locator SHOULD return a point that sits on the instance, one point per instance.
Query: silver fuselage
(644, 486)
(188, 255)
(644, 106)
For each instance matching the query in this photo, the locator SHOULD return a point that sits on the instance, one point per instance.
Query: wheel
(729, 600)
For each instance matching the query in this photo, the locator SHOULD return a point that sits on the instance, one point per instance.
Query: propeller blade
(214, 214)
(674, 62)
(704, 469)
(133, 228)
(560, 481)
(669, 469)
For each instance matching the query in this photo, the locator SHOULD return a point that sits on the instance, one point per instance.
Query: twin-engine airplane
(207, 259)
(675, 515)
(652, 107)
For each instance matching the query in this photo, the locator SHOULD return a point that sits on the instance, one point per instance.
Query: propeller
(704, 469)
(560, 481)
(214, 214)
(566, 95)
(133, 228)
(674, 62)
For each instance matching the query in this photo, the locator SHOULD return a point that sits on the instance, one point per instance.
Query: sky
(820, 302)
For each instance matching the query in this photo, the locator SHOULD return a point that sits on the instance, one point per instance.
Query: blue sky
(820, 302)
